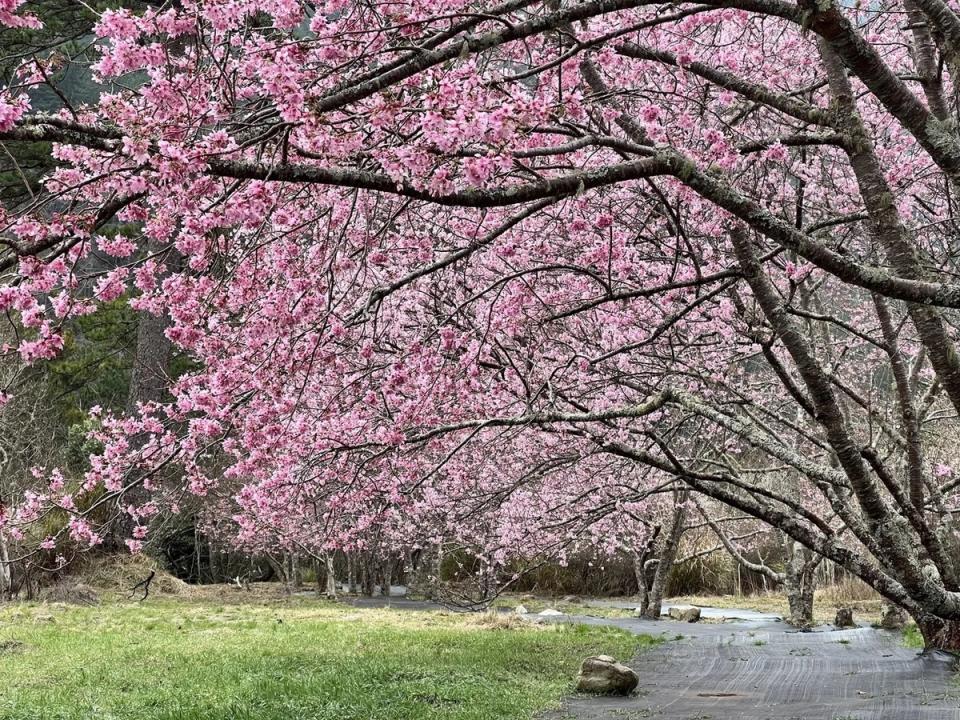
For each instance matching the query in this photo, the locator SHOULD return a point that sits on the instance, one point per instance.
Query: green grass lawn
(196, 660)
(912, 637)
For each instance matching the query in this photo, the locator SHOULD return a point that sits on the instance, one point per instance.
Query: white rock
(550, 612)
(520, 610)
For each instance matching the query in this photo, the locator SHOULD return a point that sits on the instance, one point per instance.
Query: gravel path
(765, 670)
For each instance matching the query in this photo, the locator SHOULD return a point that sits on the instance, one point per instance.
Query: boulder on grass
(603, 675)
(892, 618)
(844, 618)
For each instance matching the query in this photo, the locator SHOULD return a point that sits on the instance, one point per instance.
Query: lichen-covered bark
(668, 556)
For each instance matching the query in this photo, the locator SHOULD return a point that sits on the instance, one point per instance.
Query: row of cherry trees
(518, 273)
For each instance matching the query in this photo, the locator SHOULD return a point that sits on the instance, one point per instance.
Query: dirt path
(764, 670)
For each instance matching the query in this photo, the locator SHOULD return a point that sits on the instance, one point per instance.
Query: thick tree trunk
(668, 555)
(642, 564)
(799, 584)
(800, 601)
(939, 634)
(659, 585)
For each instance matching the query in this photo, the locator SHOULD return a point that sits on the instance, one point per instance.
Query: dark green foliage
(63, 46)
(94, 368)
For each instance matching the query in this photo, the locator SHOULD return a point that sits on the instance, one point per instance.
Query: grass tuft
(912, 637)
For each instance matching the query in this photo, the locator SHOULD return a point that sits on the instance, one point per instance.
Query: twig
(145, 584)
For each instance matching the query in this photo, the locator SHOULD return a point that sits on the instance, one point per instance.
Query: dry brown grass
(851, 593)
(119, 573)
(493, 620)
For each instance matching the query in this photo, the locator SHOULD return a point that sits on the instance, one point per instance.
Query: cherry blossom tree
(513, 271)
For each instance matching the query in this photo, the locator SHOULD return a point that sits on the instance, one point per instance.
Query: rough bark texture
(939, 634)
(799, 584)
(668, 555)
(643, 566)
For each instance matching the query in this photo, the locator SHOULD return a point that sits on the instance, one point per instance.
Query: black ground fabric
(766, 670)
(753, 666)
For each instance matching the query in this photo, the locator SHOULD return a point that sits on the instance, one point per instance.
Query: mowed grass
(196, 660)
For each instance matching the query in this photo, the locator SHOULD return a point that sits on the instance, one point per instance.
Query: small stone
(603, 675)
(520, 610)
(844, 618)
(892, 618)
(550, 612)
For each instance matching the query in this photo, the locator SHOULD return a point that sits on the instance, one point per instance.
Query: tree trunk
(351, 573)
(151, 363)
(437, 578)
(331, 578)
(641, 569)
(640, 572)
(296, 576)
(387, 575)
(807, 595)
(6, 576)
(800, 602)
(939, 634)
(667, 557)
(367, 579)
(799, 584)
(149, 379)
